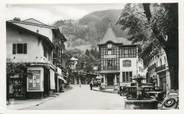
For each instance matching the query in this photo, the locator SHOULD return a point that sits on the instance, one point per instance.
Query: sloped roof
(17, 27)
(32, 20)
(110, 36)
(124, 41)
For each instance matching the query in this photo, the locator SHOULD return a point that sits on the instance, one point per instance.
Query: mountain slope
(90, 29)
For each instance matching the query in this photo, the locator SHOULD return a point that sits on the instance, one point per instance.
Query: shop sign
(109, 56)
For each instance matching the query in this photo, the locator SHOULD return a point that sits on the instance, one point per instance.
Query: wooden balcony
(160, 68)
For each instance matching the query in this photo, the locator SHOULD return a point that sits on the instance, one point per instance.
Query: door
(110, 79)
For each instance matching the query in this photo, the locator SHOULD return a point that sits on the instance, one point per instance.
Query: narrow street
(82, 98)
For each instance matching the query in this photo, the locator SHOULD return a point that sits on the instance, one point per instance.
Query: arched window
(109, 46)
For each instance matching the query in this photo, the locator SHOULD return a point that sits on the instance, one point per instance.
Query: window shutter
(14, 48)
(25, 48)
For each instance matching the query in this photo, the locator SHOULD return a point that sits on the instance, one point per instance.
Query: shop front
(17, 86)
(59, 80)
(40, 81)
(110, 80)
(162, 80)
(35, 82)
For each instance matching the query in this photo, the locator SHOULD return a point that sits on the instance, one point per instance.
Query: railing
(27, 59)
(162, 67)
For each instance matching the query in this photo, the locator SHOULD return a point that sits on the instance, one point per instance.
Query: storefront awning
(62, 79)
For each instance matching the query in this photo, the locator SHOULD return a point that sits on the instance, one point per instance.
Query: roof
(13, 25)
(39, 28)
(33, 22)
(59, 34)
(110, 36)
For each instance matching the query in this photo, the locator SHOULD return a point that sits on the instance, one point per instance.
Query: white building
(157, 66)
(29, 42)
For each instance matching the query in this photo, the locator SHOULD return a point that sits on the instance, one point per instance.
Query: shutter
(14, 48)
(25, 49)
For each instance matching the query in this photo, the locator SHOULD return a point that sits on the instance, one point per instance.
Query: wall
(35, 52)
(52, 79)
(160, 59)
(133, 68)
(41, 30)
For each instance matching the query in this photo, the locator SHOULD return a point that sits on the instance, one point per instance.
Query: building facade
(30, 44)
(118, 60)
(157, 67)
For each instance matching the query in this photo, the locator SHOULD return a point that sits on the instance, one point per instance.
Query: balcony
(27, 59)
(162, 67)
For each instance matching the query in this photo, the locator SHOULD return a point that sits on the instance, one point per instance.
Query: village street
(117, 49)
(82, 98)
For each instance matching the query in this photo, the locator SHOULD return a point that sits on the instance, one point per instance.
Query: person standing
(91, 85)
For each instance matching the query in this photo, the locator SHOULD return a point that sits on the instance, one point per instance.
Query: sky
(50, 13)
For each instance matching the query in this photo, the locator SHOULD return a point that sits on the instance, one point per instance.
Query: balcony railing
(162, 67)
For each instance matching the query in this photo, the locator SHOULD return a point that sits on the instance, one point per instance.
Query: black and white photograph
(92, 56)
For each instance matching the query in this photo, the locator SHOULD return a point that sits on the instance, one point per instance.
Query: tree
(158, 24)
(165, 29)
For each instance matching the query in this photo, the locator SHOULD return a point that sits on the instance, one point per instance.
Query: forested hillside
(89, 30)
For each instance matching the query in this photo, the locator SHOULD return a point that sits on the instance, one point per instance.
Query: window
(109, 52)
(165, 60)
(130, 76)
(160, 61)
(109, 63)
(127, 76)
(128, 52)
(123, 77)
(20, 48)
(126, 63)
(109, 46)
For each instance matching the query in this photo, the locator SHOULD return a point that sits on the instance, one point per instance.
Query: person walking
(91, 85)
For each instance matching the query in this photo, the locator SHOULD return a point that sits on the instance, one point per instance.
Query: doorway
(110, 79)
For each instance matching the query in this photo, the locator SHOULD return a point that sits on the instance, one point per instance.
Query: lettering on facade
(109, 56)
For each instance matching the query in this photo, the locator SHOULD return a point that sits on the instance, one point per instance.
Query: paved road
(83, 98)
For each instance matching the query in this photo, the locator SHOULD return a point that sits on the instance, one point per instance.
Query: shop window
(123, 76)
(127, 76)
(34, 80)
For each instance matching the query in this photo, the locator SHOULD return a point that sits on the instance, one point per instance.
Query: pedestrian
(91, 85)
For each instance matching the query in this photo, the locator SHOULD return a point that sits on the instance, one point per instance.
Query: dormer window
(109, 46)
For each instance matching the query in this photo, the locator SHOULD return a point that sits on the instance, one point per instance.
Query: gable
(31, 20)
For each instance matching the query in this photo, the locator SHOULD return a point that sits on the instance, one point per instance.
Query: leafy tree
(158, 24)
